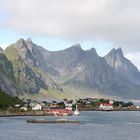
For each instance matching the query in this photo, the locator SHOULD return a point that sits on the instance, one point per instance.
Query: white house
(111, 102)
(17, 105)
(37, 106)
(68, 104)
(106, 106)
(24, 108)
(137, 107)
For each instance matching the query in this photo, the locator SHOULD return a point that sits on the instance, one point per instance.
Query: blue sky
(9, 36)
(56, 25)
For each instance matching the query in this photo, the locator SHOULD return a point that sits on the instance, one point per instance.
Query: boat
(76, 112)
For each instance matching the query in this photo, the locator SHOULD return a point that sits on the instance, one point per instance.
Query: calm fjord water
(96, 126)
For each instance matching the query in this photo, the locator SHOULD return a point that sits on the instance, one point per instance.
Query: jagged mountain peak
(30, 45)
(20, 40)
(92, 51)
(24, 45)
(25, 50)
(29, 41)
(117, 51)
(75, 47)
(23, 40)
(20, 43)
(122, 66)
(30, 78)
(115, 58)
(72, 67)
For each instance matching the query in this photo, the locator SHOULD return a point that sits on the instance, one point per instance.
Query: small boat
(76, 112)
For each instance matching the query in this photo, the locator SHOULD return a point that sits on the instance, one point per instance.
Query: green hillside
(7, 100)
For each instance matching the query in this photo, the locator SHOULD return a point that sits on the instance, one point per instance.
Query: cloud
(115, 21)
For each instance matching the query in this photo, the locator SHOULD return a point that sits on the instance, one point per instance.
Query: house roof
(106, 104)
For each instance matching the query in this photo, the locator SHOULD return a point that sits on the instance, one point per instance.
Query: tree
(7, 100)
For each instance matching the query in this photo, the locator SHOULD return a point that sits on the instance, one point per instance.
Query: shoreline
(31, 113)
(115, 109)
(42, 113)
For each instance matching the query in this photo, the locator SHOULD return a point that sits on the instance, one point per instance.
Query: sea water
(94, 126)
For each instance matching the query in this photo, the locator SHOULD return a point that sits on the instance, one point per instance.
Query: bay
(95, 126)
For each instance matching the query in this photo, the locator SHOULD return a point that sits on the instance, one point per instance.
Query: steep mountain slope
(29, 77)
(79, 72)
(79, 66)
(122, 66)
(80, 69)
(7, 79)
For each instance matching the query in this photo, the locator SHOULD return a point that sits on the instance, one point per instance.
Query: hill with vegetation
(8, 101)
(30, 70)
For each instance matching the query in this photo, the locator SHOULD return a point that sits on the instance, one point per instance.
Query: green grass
(51, 94)
(7, 100)
(69, 93)
(11, 53)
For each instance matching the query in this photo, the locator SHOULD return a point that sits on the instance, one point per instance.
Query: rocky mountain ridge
(122, 66)
(35, 68)
(29, 78)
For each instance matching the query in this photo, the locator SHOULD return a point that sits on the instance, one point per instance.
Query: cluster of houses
(100, 105)
(31, 106)
(43, 105)
(65, 104)
(69, 105)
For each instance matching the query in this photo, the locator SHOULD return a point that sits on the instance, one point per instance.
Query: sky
(58, 24)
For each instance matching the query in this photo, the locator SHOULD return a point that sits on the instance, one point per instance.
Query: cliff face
(29, 77)
(122, 66)
(113, 75)
(33, 68)
(79, 66)
(7, 79)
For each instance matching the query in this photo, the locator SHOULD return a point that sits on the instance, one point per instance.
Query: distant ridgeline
(29, 69)
(8, 101)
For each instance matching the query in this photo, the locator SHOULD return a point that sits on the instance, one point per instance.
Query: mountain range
(28, 69)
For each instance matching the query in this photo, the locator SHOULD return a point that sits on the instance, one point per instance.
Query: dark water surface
(95, 126)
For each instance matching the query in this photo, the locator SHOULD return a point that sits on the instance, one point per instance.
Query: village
(67, 107)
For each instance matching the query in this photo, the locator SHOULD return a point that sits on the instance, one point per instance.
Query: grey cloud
(116, 21)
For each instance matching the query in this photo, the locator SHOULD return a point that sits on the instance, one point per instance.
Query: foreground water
(95, 126)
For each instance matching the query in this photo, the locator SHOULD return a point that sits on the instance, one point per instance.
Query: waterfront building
(24, 108)
(104, 106)
(36, 106)
(68, 104)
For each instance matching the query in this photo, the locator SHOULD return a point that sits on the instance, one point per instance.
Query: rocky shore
(115, 109)
(52, 121)
(42, 113)
(28, 113)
